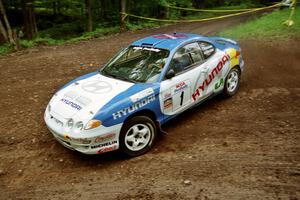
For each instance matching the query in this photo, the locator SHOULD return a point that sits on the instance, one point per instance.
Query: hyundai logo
(97, 87)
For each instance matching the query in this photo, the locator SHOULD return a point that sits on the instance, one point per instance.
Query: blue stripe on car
(123, 103)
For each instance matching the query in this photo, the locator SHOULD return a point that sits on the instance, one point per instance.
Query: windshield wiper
(122, 78)
(119, 77)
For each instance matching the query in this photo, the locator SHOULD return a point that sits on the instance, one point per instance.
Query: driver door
(176, 92)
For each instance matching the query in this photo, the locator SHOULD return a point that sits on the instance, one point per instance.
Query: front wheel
(137, 136)
(232, 82)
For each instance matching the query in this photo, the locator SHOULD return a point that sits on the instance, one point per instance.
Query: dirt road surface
(245, 147)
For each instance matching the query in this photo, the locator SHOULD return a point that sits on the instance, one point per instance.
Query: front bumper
(242, 64)
(94, 141)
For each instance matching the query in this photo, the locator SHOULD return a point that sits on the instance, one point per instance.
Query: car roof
(166, 41)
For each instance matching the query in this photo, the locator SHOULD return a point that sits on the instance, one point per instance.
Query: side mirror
(170, 74)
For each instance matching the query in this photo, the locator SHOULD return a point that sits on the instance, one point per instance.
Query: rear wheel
(137, 136)
(232, 82)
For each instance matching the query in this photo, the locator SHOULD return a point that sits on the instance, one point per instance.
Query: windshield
(137, 64)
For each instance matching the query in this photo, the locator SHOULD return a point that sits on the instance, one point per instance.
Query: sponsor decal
(104, 144)
(170, 36)
(219, 84)
(81, 140)
(180, 86)
(83, 101)
(104, 138)
(234, 55)
(211, 77)
(142, 94)
(71, 95)
(107, 149)
(146, 48)
(167, 95)
(168, 103)
(70, 103)
(133, 108)
(78, 140)
(67, 137)
(97, 87)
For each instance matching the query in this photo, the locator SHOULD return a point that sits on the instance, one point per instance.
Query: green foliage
(64, 21)
(143, 24)
(96, 33)
(242, 3)
(268, 26)
(63, 31)
(27, 43)
(5, 49)
(47, 41)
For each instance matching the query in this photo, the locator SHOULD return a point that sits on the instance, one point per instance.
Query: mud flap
(160, 128)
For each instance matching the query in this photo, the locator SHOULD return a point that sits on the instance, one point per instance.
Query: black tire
(228, 90)
(129, 136)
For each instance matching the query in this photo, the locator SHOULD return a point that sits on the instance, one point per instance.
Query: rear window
(207, 49)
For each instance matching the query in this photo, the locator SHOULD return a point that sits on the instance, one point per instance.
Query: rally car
(123, 104)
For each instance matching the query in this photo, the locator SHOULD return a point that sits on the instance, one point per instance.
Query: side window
(194, 51)
(185, 57)
(207, 49)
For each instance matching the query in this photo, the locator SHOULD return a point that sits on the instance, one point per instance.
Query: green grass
(5, 49)
(269, 26)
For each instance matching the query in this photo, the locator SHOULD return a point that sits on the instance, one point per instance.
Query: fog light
(70, 123)
(79, 125)
(49, 108)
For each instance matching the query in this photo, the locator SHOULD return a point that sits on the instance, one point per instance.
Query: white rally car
(123, 105)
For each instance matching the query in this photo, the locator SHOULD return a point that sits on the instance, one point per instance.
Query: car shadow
(106, 159)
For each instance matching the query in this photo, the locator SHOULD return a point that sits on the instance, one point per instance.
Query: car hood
(82, 98)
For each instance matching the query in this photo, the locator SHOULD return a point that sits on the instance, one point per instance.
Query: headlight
(70, 123)
(49, 108)
(92, 124)
(79, 125)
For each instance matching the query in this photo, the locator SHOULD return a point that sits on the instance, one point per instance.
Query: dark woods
(28, 19)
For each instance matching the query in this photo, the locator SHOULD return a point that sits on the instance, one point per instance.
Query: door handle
(204, 69)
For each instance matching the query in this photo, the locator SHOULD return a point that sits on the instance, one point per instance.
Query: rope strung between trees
(290, 21)
(209, 10)
(201, 20)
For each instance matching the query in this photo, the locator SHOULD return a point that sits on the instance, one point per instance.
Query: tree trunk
(88, 12)
(198, 3)
(8, 30)
(123, 15)
(54, 8)
(58, 7)
(220, 2)
(3, 31)
(105, 8)
(30, 28)
(167, 12)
